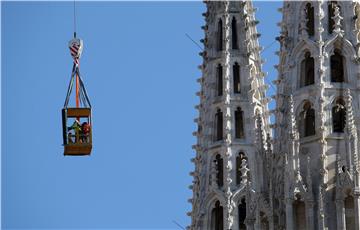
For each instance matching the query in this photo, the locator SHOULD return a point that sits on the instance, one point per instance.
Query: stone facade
(306, 174)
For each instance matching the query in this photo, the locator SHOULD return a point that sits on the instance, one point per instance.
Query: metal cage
(79, 143)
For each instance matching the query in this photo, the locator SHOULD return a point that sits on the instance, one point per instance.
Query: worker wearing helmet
(85, 130)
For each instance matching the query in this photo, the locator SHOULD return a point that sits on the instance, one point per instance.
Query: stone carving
(279, 170)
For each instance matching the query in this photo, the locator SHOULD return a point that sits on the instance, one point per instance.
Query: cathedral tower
(316, 144)
(230, 190)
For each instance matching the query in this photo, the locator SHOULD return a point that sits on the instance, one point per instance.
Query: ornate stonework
(306, 175)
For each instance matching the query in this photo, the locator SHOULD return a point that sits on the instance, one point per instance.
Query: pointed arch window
(307, 121)
(239, 159)
(300, 215)
(331, 13)
(234, 36)
(242, 214)
(307, 70)
(339, 116)
(239, 123)
(219, 80)
(219, 163)
(217, 217)
(219, 125)
(310, 23)
(236, 76)
(337, 67)
(220, 35)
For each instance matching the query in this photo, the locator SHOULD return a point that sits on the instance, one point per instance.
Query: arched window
(219, 125)
(310, 24)
(217, 218)
(236, 75)
(307, 121)
(242, 214)
(220, 36)
(300, 215)
(331, 13)
(239, 123)
(307, 70)
(239, 160)
(337, 67)
(219, 80)
(349, 213)
(234, 37)
(219, 163)
(339, 116)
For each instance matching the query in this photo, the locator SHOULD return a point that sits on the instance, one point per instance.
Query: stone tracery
(310, 164)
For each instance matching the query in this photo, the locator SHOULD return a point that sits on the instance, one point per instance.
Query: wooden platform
(77, 149)
(78, 112)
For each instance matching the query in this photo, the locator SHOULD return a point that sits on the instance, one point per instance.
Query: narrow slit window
(307, 121)
(217, 217)
(307, 71)
(219, 170)
(220, 36)
(242, 214)
(310, 122)
(236, 73)
(219, 73)
(331, 13)
(300, 214)
(234, 37)
(337, 67)
(239, 123)
(219, 125)
(310, 24)
(339, 116)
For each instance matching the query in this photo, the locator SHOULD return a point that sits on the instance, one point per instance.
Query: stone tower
(316, 146)
(306, 176)
(232, 150)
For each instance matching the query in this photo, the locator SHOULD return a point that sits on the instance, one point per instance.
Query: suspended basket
(76, 121)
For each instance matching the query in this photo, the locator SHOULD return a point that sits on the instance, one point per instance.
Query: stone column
(340, 214)
(289, 214)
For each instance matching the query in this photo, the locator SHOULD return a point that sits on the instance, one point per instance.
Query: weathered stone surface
(306, 176)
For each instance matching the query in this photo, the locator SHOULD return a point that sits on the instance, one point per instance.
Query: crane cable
(74, 20)
(76, 46)
(77, 96)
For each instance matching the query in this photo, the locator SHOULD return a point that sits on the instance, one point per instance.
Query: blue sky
(140, 72)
